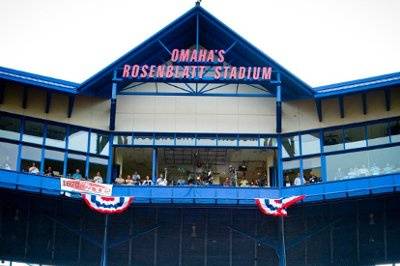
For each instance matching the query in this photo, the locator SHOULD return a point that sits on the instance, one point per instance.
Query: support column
(278, 104)
(113, 108)
(110, 159)
(282, 250)
(279, 168)
(154, 165)
(104, 250)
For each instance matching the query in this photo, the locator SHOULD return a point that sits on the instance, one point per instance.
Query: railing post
(154, 165)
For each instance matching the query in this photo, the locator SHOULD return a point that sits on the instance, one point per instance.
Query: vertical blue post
(154, 165)
(113, 108)
(18, 166)
(66, 152)
(110, 158)
(280, 164)
(282, 249)
(87, 163)
(42, 159)
(278, 104)
(104, 250)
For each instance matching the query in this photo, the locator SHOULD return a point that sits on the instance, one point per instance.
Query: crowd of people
(363, 170)
(97, 178)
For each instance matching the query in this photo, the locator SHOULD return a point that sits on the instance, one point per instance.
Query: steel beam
(71, 101)
(278, 105)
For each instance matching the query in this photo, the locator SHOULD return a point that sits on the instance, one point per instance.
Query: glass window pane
(56, 136)
(378, 134)
(394, 127)
(78, 139)
(333, 140)
(30, 159)
(230, 141)
(290, 146)
(33, 132)
(99, 144)
(310, 143)
(354, 137)
(53, 163)
(206, 140)
(98, 167)
(312, 170)
(143, 139)
(363, 163)
(76, 166)
(8, 156)
(291, 172)
(164, 140)
(10, 127)
(123, 140)
(268, 142)
(248, 141)
(185, 140)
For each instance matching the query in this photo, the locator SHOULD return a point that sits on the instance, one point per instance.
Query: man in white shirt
(97, 178)
(162, 181)
(33, 169)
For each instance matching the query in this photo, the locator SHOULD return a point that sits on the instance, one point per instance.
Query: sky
(321, 42)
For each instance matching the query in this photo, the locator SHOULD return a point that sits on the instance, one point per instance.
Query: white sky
(321, 42)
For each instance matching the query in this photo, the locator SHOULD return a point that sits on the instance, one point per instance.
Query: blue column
(279, 167)
(278, 104)
(110, 158)
(113, 108)
(154, 165)
(104, 250)
(282, 249)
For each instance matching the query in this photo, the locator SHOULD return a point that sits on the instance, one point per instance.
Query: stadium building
(209, 123)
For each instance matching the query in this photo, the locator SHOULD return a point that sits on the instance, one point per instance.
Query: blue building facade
(210, 142)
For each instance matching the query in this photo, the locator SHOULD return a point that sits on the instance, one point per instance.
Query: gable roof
(197, 25)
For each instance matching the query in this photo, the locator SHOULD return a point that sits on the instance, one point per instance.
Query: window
(290, 146)
(56, 136)
(268, 142)
(76, 164)
(310, 143)
(55, 160)
(333, 140)
(206, 140)
(99, 144)
(143, 139)
(354, 137)
(185, 140)
(98, 165)
(123, 140)
(312, 170)
(248, 141)
(10, 127)
(394, 128)
(291, 171)
(33, 132)
(8, 156)
(30, 159)
(363, 163)
(378, 134)
(164, 140)
(230, 141)
(78, 139)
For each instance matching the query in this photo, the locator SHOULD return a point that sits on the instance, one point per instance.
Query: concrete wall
(88, 111)
(198, 114)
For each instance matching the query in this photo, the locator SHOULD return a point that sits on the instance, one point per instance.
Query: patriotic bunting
(107, 205)
(276, 207)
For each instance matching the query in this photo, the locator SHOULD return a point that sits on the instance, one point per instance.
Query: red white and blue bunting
(276, 207)
(107, 204)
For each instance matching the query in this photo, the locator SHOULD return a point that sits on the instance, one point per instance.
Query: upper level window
(8, 156)
(78, 139)
(394, 128)
(10, 127)
(122, 140)
(378, 134)
(185, 140)
(290, 146)
(248, 141)
(310, 143)
(56, 136)
(268, 142)
(333, 140)
(99, 143)
(33, 132)
(164, 140)
(210, 140)
(354, 137)
(143, 139)
(231, 141)
(30, 159)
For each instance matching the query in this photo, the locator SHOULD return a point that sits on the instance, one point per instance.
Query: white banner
(79, 186)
